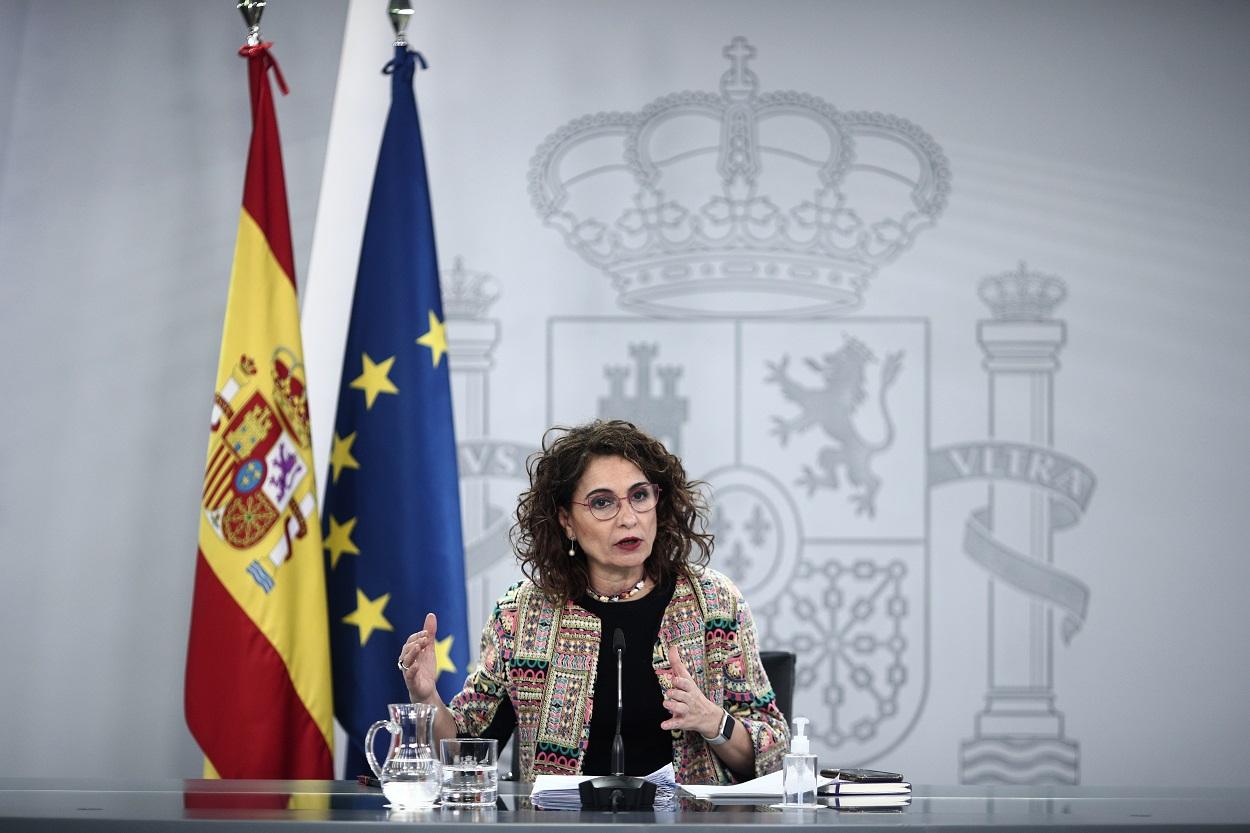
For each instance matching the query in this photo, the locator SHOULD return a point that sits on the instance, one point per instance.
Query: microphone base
(617, 792)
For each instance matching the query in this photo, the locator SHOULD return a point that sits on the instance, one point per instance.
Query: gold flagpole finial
(251, 11)
(400, 12)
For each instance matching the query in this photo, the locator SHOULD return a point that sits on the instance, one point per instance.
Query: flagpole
(252, 11)
(400, 12)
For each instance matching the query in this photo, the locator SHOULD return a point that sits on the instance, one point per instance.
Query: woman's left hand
(690, 709)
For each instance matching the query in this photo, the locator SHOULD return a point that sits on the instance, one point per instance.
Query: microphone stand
(618, 743)
(617, 791)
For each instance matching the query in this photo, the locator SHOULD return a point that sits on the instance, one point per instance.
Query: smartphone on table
(862, 776)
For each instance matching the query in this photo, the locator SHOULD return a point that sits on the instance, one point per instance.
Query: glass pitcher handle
(391, 727)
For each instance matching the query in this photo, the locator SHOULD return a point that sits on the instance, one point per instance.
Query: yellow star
(368, 615)
(435, 339)
(442, 656)
(339, 540)
(341, 457)
(374, 379)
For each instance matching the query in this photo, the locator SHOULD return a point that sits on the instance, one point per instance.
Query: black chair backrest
(779, 665)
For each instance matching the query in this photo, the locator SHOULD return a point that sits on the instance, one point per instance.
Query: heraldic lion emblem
(832, 406)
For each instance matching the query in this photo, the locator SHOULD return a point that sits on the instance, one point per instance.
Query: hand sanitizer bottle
(798, 770)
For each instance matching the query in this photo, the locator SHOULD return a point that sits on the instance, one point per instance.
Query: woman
(611, 536)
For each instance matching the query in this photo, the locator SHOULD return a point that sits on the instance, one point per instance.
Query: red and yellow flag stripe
(258, 691)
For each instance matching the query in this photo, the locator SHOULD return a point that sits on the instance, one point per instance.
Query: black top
(647, 746)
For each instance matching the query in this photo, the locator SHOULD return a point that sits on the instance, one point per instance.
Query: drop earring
(571, 551)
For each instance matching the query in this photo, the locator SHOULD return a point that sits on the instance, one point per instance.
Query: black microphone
(617, 791)
(618, 743)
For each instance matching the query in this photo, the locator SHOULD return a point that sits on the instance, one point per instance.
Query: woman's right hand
(417, 659)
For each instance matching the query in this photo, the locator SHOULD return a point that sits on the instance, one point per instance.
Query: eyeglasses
(605, 506)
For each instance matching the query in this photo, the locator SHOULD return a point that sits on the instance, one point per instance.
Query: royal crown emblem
(1022, 295)
(739, 203)
(467, 294)
(290, 393)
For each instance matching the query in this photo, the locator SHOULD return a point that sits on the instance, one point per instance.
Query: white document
(766, 786)
(550, 783)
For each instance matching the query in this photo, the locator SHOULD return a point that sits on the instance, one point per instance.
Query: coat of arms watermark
(740, 230)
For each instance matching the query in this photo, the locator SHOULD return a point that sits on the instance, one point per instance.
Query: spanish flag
(258, 697)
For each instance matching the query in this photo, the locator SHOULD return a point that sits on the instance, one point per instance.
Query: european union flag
(392, 507)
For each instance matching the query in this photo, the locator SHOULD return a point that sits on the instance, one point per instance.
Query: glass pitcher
(411, 775)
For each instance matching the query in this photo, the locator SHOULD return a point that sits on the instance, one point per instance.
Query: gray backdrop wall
(1020, 557)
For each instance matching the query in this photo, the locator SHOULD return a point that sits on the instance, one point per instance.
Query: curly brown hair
(681, 538)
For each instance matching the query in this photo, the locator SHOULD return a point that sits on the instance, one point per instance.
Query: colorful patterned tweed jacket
(544, 659)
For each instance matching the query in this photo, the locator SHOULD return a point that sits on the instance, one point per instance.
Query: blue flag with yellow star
(392, 507)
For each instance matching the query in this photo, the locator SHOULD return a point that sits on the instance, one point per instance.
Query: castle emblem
(664, 412)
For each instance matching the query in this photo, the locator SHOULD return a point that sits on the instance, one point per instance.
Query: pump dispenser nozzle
(799, 742)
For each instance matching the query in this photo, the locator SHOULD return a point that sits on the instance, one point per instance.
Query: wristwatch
(726, 730)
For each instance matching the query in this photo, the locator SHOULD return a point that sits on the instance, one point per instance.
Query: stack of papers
(559, 792)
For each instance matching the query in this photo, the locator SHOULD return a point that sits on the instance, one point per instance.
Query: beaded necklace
(619, 597)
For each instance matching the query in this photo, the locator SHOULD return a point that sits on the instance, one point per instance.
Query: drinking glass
(470, 772)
